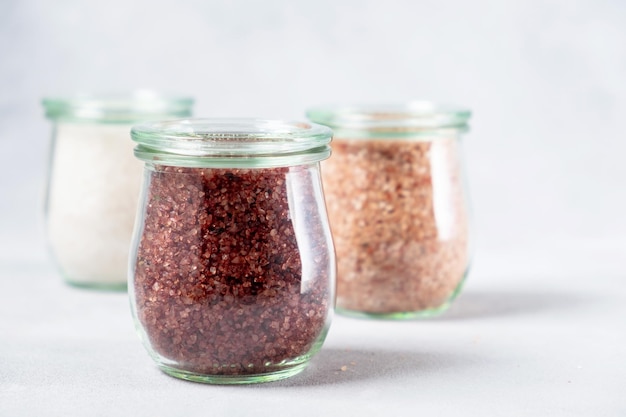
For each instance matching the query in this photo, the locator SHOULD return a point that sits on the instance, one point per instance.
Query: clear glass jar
(94, 182)
(232, 268)
(396, 199)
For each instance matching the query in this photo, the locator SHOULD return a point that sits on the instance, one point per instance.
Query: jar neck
(398, 133)
(152, 157)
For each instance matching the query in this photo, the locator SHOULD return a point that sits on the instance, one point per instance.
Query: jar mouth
(225, 142)
(117, 108)
(412, 116)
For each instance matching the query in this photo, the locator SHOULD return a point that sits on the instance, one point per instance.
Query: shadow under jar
(397, 205)
(232, 272)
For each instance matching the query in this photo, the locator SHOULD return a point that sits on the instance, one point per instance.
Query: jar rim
(117, 108)
(411, 116)
(231, 141)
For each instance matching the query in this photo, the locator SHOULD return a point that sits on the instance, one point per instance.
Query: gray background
(546, 81)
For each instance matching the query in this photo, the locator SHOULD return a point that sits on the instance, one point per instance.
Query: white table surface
(535, 333)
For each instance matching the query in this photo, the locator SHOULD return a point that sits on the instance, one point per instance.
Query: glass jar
(232, 268)
(94, 182)
(396, 199)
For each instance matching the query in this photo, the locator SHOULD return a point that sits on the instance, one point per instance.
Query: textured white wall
(546, 80)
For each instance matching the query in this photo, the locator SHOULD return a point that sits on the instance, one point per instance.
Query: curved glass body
(398, 210)
(94, 182)
(232, 268)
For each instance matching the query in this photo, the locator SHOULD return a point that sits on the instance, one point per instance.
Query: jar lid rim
(231, 138)
(118, 107)
(414, 114)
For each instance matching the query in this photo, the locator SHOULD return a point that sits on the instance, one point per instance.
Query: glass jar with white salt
(94, 182)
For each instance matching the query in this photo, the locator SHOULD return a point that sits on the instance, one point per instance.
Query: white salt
(92, 200)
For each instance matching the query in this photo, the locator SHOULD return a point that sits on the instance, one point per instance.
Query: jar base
(398, 315)
(233, 379)
(407, 315)
(98, 286)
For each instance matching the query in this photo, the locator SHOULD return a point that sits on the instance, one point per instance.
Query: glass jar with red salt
(396, 197)
(232, 268)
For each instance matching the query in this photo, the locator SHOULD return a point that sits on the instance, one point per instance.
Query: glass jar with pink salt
(232, 270)
(396, 198)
